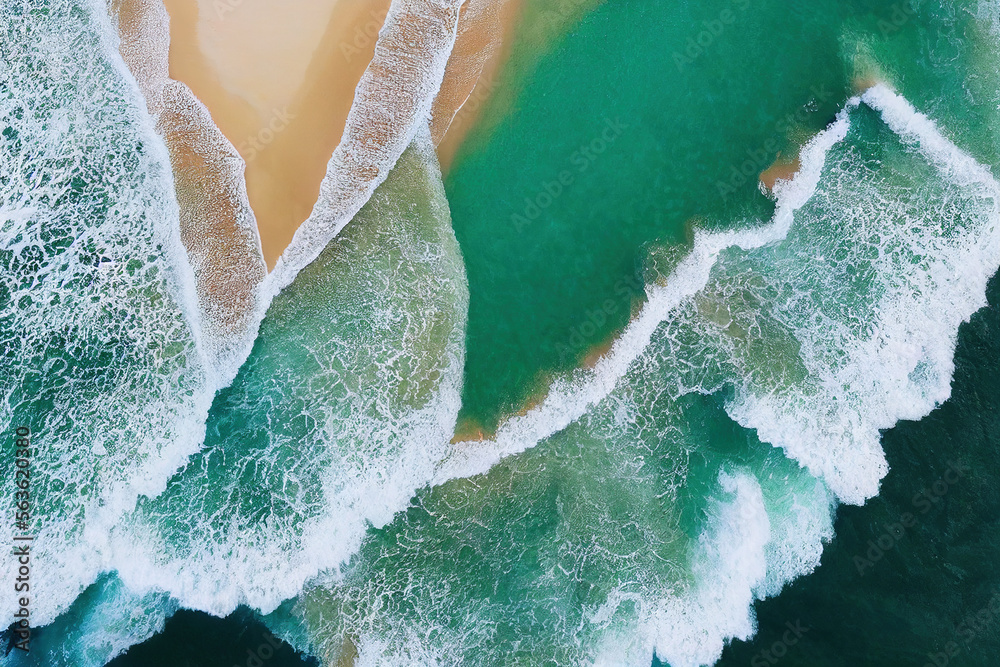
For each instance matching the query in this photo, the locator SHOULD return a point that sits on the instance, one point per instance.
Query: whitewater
(176, 470)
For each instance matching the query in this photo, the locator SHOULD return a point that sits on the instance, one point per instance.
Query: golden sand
(469, 429)
(279, 85)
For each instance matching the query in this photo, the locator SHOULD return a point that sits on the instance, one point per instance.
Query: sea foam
(340, 413)
(926, 341)
(102, 354)
(565, 537)
(392, 103)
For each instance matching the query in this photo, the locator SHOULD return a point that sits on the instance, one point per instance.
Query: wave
(392, 103)
(340, 413)
(102, 356)
(103, 622)
(973, 263)
(570, 397)
(606, 523)
(914, 274)
(217, 226)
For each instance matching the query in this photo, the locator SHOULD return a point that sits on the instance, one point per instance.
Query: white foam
(367, 454)
(118, 427)
(683, 610)
(569, 398)
(392, 103)
(931, 268)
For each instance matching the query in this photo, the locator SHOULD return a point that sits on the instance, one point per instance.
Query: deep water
(194, 639)
(926, 599)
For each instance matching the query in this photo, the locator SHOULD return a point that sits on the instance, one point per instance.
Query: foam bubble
(392, 103)
(571, 531)
(102, 357)
(217, 226)
(340, 413)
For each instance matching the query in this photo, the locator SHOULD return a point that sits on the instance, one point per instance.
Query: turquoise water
(650, 147)
(783, 377)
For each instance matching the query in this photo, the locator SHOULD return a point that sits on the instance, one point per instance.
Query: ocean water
(704, 409)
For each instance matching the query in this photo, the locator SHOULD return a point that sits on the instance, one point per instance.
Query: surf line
(22, 542)
(570, 396)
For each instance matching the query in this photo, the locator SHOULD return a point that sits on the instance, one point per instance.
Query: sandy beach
(279, 85)
(217, 226)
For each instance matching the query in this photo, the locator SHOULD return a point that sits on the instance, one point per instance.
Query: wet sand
(535, 25)
(217, 226)
(483, 45)
(469, 429)
(279, 85)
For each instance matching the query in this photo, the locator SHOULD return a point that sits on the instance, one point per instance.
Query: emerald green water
(548, 281)
(547, 287)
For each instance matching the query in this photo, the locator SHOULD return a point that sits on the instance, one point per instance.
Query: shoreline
(217, 226)
(284, 108)
(482, 49)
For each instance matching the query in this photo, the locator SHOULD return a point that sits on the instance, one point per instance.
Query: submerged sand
(482, 46)
(781, 170)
